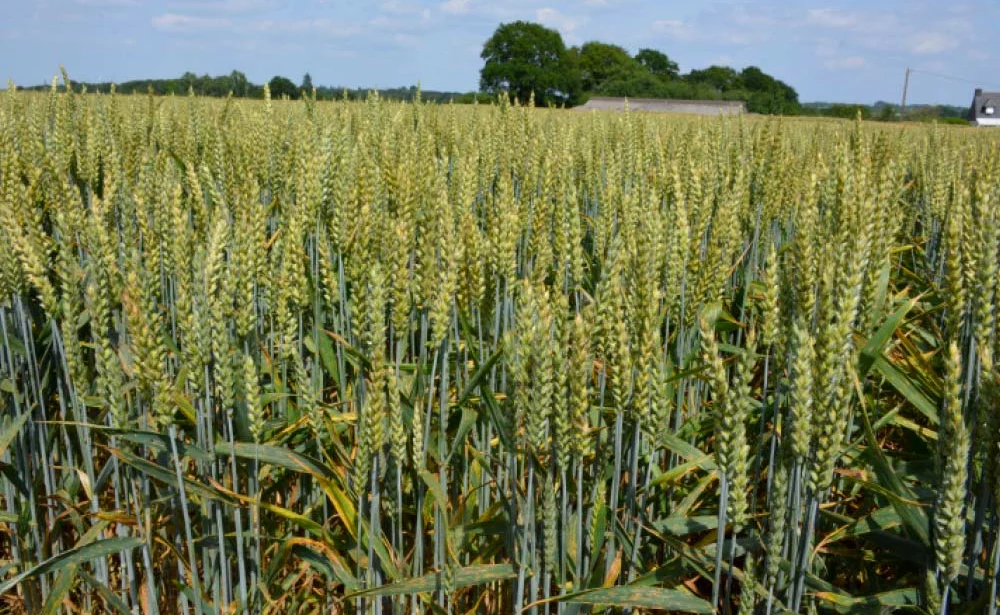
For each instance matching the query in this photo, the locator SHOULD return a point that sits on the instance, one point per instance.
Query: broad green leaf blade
(497, 417)
(275, 456)
(680, 470)
(169, 477)
(469, 417)
(59, 589)
(872, 350)
(880, 520)
(687, 451)
(913, 516)
(685, 526)
(328, 357)
(10, 472)
(659, 598)
(432, 483)
(464, 577)
(161, 442)
(479, 377)
(885, 602)
(10, 432)
(905, 387)
(78, 555)
(111, 600)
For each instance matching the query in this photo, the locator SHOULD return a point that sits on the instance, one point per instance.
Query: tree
(282, 86)
(188, 81)
(658, 64)
(601, 62)
(756, 80)
(767, 94)
(722, 78)
(522, 58)
(634, 85)
(887, 113)
(239, 83)
(307, 83)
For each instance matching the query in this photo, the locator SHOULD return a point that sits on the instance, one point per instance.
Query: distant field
(298, 357)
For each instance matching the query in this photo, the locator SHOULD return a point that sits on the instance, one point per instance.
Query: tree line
(237, 84)
(524, 59)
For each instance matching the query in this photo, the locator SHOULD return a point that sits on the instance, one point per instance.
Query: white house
(985, 109)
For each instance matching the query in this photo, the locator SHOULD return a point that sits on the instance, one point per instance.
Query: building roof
(664, 105)
(982, 101)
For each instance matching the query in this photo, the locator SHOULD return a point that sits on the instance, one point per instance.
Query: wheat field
(381, 357)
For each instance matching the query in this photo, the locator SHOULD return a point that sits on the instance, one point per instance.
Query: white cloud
(98, 3)
(326, 27)
(831, 18)
(958, 25)
(852, 62)
(716, 28)
(174, 22)
(402, 7)
(932, 43)
(554, 19)
(409, 22)
(188, 24)
(455, 7)
(827, 47)
(223, 6)
(937, 66)
(674, 28)
(407, 41)
(668, 24)
(757, 18)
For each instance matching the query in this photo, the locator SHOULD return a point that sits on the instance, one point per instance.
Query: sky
(845, 51)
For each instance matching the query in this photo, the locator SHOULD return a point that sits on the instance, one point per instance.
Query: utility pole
(906, 86)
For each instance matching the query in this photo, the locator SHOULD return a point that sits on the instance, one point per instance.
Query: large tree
(722, 78)
(239, 83)
(282, 86)
(601, 62)
(634, 84)
(658, 64)
(767, 94)
(522, 58)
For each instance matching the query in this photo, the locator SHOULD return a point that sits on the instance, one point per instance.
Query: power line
(954, 78)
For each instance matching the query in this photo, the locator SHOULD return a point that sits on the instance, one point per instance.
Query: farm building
(985, 110)
(660, 105)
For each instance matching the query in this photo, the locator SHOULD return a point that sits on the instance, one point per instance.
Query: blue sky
(837, 51)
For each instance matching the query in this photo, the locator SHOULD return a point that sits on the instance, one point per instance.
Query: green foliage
(525, 59)
(235, 82)
(847, 112)
(658, 64)
(721, 78)
(634, 84)
(600, 62)
(767, 94)
(238, 84)
(282, 87)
